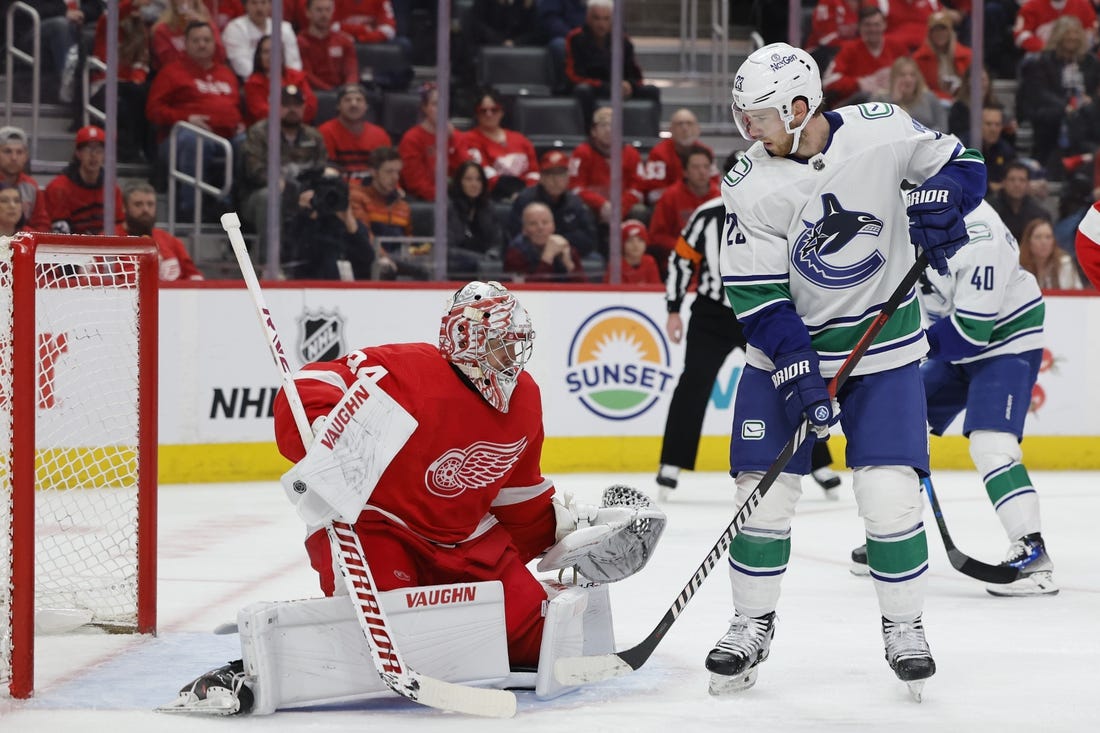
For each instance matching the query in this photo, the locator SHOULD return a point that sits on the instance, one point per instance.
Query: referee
(712, 334)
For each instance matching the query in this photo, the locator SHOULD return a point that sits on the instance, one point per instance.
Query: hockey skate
(734, 659)
(859, 564)
(667, 480)
(221, 691)
(1029, 555)
(827, 479)
(908, 654)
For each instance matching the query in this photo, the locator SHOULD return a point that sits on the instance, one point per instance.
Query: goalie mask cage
(78, 388)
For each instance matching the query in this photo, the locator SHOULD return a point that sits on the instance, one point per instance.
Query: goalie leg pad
(578, 623)
(890, 503)
(312, 651)
(998, 456)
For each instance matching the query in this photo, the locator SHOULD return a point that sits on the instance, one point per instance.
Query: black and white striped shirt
(698, 249)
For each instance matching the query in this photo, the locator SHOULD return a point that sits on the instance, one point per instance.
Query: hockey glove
(797, 378)
(936, 222)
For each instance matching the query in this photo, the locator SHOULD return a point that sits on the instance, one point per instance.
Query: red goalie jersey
(466, 468)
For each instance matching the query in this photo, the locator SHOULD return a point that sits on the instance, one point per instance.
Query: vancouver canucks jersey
(994, 306)
(831, 235)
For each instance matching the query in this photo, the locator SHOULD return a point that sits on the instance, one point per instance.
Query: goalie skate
(222, 691)
(734, 660)
(908, 654)
(1029, 555)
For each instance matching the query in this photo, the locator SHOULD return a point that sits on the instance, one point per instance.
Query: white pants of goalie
(312, 651)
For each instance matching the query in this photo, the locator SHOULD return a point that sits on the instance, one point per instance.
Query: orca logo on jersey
(828, 236)
(474, 467)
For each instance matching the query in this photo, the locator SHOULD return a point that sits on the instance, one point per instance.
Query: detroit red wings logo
(474, 467)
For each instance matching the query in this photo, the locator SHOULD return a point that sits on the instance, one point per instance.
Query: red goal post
(78, 461)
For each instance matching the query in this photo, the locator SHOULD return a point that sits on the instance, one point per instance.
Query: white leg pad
(312, 651)
(756, 595)
(578, 622)
(994, 452)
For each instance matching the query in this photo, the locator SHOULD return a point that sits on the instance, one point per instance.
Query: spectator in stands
(243, 34)
(833, 23)
(256, 87)
(907, 21)
(1013, 203)
(381, 205)
(133, 74)
(941, 58)
(60, 26)
(908, 91)
(349, 137)
(590, 172)
(203, 92)
(674, 208)
(537, 254)
(507, 156)
(588, 61)
(502, 23)
(417, 148)
(665, 164)
(639, 267)
(998, 152)
(572, 218)
(13, 172)
(324, 239)
(328, 56)
(373, 21)
(1059, 79)
(1083, 127)
(1036, 18)
(223, 11)
(557, 18)
(12, 218)
(75, 197)
(958, 116)
(862, 67)
(475, 238)
(169, 43)
(301, 151)
(140, 210)
(1041, 256)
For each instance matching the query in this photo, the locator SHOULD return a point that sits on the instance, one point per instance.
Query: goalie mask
(773, 77)
(487, 334)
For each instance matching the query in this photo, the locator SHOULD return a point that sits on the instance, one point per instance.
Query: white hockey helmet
(487, 334)
(773, 77)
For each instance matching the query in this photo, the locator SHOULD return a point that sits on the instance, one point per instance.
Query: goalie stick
(998, 574)
(578, 670)
(346, 548)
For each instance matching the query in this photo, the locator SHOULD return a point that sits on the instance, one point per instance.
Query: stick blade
(480, 701)
(996, 574)
(581, 670)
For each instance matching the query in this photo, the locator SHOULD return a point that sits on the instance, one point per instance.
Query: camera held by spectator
(324, 240)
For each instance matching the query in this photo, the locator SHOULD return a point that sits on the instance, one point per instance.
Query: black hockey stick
(999, 574)
(578, 670)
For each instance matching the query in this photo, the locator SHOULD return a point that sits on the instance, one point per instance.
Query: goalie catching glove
(609, 542)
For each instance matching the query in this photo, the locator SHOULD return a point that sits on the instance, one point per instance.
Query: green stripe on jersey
(977, 330)
(1005, 483)
(840, 339)
(1031, 318)
(757, 552)
(747, 298)
(897, 557)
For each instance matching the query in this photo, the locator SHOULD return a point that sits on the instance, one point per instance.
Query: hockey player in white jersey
(985, 348)
(816, 239)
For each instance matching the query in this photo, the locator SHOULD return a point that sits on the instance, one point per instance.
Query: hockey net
(78, 370)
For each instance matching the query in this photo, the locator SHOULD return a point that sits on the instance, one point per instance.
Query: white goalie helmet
(487, 334)
(773, 77)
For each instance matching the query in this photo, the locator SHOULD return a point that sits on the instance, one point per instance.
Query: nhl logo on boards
(322, 336)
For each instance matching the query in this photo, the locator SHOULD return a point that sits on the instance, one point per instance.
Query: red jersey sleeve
(524, 507)
(1088, 245)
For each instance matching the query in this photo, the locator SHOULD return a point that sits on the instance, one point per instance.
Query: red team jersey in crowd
(672, 212)
(35, 213)
(183, 88)
(854, 61)
(664, 168)
(76, 207)
(367, 21)
(349, 150)
(329, 61)
(590, 176)
(256, 95)
(464, 499)
(907, 20)
(514, 157)
(175, 263)
(417, 148)
(834, 21)
(1088, 245)
(644, 273)
(1036, 17)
